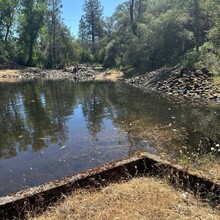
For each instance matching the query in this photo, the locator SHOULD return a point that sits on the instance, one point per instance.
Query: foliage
(164, 32)
(34, 11)
(91, 30)
(93, 19)
(33, 33)
(7, 19)
(141, 34)
(209, 57)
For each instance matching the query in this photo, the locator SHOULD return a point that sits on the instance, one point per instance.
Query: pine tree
(82, 34)
(93, 18)
(197, 24)
(53, 25)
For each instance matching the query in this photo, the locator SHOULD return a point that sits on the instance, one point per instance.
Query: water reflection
(49, 129)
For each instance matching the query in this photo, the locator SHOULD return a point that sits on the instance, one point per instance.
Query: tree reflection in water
(71, 126)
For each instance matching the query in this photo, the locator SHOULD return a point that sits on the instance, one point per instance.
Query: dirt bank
(196, 85)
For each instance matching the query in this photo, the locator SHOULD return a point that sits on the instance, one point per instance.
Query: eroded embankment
(38, 198)
(181, 84)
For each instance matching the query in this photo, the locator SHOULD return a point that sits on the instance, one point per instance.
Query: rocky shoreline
(76, 73)
(179, 84)
(195, 85)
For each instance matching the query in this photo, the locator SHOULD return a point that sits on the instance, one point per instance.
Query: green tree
(149, 34)
(196, 22)
(85, 55)
(93, 19)
(56, 46)
(53, 29)
(7, 19)
(31, 20)
(212, 9)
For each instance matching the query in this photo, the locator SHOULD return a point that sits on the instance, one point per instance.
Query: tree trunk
(133, 24)
(8, 30)
(131, 10)
(93, 33)
(7, 33)
(140, 9)
(30, 55)
(197, 24)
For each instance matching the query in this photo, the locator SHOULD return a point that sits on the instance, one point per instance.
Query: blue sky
(72, 11)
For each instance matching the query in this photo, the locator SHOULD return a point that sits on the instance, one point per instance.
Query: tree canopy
(141, 34)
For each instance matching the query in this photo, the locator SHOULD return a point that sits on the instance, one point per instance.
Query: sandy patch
(113, 75)
(9, 72)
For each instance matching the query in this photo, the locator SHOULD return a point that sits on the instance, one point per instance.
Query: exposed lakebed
(50, 129)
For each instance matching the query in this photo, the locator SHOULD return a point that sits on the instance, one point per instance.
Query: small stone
(198, 73)
(184, 195)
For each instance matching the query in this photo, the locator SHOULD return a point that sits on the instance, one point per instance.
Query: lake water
(50, 129)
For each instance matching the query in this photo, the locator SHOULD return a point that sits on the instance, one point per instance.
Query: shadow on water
(49, 129)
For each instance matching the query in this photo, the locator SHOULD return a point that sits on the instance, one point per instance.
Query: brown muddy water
(50, 129)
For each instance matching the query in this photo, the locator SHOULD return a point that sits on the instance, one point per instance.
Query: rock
(189, 87)
(186, 83)
(205, 71)
(198, 73)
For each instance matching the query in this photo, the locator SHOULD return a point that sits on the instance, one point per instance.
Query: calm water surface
(50, 129)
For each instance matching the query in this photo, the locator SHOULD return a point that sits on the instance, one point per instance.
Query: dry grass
(169, 143)
(15, 71)
(209, 167)
(216, 80)
(138, 199)
(8, 72)
(112, 75)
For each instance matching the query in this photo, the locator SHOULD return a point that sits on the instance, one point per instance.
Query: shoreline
(38, 198)
(76, 73)
(196, 86)
(181, 85)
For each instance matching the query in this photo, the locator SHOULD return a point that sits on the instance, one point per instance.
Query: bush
(190, 58)
(3, 54)
(208, 57)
